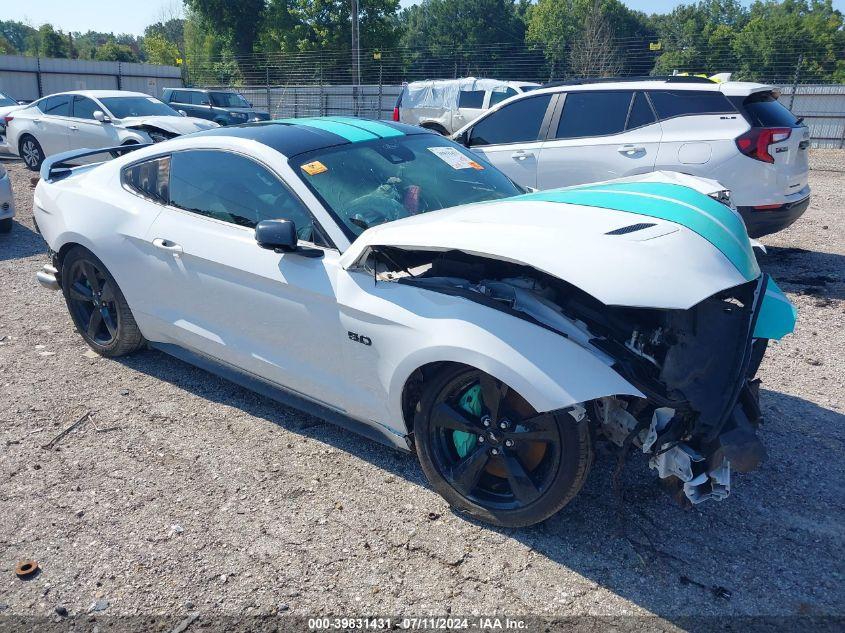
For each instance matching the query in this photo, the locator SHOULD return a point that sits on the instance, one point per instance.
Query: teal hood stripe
(349, 132)
(674, 203)
(384, 131)
(777, 315)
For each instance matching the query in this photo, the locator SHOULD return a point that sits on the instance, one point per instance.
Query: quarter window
(516, 122)
(150, 178)
(234, 189)
(471, 99)
(672, 103)
(56, 106)
(84, 108)
(594, 113)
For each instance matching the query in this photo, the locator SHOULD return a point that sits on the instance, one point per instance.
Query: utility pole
(356, 55)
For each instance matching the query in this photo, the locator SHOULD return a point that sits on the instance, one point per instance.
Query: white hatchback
(733, 132)
(93, 119)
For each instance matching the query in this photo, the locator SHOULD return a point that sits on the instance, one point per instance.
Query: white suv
(735, 133)
(93, 119)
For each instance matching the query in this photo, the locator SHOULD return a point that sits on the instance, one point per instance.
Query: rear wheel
(31, 152)
(97, 306)
(491, 455)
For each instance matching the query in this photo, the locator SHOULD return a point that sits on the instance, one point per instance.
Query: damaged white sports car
(384, 278)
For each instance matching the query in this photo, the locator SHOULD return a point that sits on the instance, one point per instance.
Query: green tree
(778, 34)
(47, 42)
(160, 50)
(114, 52)
(555, 25)
(17, 34)
(237, 23)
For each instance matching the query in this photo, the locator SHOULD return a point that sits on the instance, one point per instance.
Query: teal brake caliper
(471, 403)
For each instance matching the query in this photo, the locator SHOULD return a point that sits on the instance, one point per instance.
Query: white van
(446, 105)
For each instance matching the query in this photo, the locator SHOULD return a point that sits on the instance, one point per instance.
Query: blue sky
(132, 17)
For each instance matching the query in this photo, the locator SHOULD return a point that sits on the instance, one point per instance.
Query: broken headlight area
(696, 367)
(157, 135)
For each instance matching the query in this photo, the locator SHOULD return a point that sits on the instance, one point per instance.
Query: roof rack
(679, 79)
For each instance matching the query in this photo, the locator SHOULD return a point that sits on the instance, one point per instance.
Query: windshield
(228, 100)
(122, 107)
(6, 101)
(370, 183)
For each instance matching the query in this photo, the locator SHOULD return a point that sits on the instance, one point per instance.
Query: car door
(218, 293)
(598, 135)
(51, 127)
(86, 131)
(181, 100)
(201, 106)
(511, 137)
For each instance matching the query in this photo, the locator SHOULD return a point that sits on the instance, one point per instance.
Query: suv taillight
(755, 142)
(6, 119)
(396, 113)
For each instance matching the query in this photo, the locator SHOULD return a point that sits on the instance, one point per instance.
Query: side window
(57, 106)
(180, 96)
(235, 189)
(496, 97)
(198, 98)
(471, 99)
(672, 103)
(641, 113)
(594, 113)
(83, 107)
(150, 178)
(519, 121)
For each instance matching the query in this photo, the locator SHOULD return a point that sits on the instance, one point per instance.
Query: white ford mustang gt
(384, 278)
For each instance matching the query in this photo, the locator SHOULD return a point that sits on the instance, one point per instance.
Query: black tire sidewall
(121, 342)
(575, 461)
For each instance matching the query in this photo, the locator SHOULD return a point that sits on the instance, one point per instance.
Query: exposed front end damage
(156, 134)
(695, 366)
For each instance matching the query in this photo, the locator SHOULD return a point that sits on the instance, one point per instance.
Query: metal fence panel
(823, 109)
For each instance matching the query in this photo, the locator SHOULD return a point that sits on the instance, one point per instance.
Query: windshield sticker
(313, 168)
(454, 158)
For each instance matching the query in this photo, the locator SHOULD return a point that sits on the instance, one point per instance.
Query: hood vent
(631, 229)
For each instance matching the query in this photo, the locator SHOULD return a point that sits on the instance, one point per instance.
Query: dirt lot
(184, 493)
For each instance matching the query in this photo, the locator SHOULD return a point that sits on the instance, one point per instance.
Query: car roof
(297, 136)
(100, 94)
(731, 88)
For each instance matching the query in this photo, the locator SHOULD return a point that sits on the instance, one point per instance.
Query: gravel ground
(185, 493)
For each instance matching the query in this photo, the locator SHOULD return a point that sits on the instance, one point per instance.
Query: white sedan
(385, 278)
(7, 201)
(93, 119)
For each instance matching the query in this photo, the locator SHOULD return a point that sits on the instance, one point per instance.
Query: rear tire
(6, 225)
(511, 476)
(30, 151)
(97, 305)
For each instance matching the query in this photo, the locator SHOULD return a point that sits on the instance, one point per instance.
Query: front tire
(30, 151)
(492, 456)
(97, 306)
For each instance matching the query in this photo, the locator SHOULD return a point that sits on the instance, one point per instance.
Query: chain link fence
(319, 83)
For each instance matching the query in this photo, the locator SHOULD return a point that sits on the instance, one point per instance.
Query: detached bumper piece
(48, 277)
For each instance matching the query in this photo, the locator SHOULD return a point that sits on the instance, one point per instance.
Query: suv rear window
(765, 111)
(672, 103)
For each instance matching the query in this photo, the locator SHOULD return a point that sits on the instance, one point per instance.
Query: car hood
(174, 124)
(638, 244)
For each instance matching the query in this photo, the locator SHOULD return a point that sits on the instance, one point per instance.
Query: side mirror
(183, 113)
(101, 117)
(22, 102)
(276, 235)
(463, 138)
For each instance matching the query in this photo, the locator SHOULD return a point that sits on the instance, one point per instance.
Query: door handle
(167, 245)
(74, 128)
(630, 150)
(521, 154)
